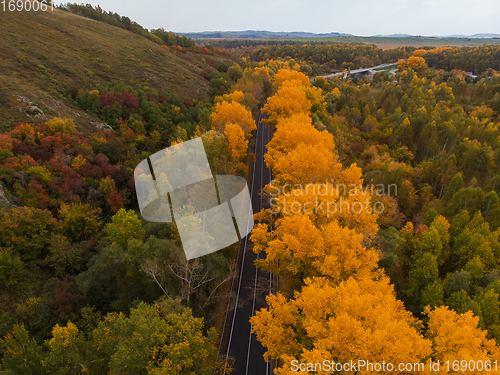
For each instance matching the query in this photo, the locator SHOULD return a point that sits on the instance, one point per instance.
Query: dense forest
(84, 281)
(334, 55)
(74, 245)
(88, 286)
(434, 247)
(470, 59)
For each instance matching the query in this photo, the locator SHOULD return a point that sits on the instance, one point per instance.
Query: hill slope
(43, 55)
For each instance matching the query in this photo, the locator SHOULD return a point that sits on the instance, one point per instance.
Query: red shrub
(188, 103)
(151, 98)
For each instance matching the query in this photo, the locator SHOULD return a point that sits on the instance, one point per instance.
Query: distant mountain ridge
(260, 34)
(476, 36)
(264, 34)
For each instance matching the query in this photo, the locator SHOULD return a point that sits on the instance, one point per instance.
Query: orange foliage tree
(414, 62)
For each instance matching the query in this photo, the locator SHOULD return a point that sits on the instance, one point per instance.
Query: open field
(388, 43)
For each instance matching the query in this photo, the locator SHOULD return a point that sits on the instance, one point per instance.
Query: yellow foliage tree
(292, 131)
(285, 75)
(238, 146)
(65, 350)
(236, 96)
(57, 125)
(78, 163)
(438, 50)
(125, 226)
(315, 96)
(322, 190)
(419, 52)
(402, 65)
(232, 113)
(301, 165)
(80, 221)
(299, 246)
(359, 318)
(290, 99)
(457, 338)
(336, 92)
(417, 63)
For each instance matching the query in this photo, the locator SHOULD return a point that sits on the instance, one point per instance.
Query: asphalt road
(242, 345)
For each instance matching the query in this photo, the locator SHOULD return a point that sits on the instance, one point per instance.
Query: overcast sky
(359, 17)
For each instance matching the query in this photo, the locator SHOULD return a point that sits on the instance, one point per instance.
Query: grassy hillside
(44, 55)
